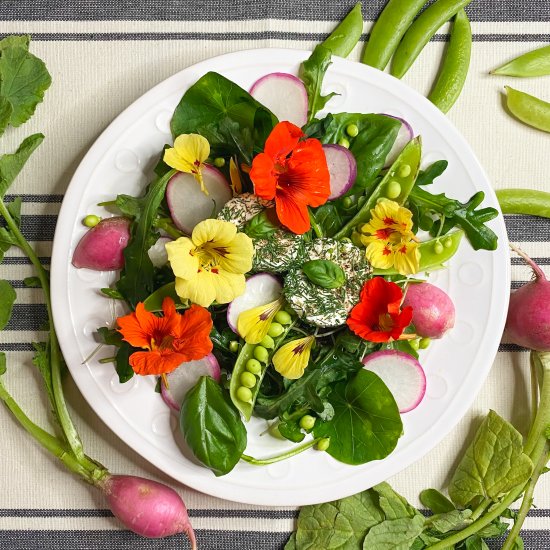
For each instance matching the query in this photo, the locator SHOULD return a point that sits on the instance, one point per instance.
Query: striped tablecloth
(103, 54)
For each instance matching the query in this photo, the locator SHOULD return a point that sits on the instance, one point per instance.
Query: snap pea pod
(529, 109)
(346, 35)
(452, 76)
(421, 31)
(524, 201)
(533, 63)
(395, 185)
(433, 253)
(388, 31)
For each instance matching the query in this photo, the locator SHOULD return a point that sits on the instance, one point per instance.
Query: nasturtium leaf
(6, 111)
(11, 164)
(7, 299)
(493, 464)
(212, 426)
(338, 525)
(23, 81)
(394, 534)
(366, 424)
(324, 273)
(2, 363)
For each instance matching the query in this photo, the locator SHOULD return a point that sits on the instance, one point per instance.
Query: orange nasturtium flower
(294, 172)
(378, 316)
(169, 340)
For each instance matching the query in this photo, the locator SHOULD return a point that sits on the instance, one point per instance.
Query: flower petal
(227, 285)
(237, 256)
(263, 176)
(292, 359)
(379, 254)
(198, 290)
(138, 327)
(192, 335)
(217, 232)
(291, 214)
(188, 153)
(253, 324)
(182, 261)
(155, 362)
(407, 258)
(283, 139)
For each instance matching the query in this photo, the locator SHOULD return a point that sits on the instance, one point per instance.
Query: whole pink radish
(101, 247)
(528, 321)
(146, 507)
(433, 310)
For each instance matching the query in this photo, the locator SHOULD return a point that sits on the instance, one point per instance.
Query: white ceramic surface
(120, 162)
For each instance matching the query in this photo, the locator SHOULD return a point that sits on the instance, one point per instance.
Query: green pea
(421, 31)
(283, 317)
(347, 202)
(244, 394)
(261, 354)
(533, 63)
(307, 422)
(267, 342)
(438, 248)
(234, 346)
(323, 444)
(424, 343)
(529, 109)
(447, 243)
(348, 32)
(275, 329)
(253, 366)
(415, 344)
(455, 65)
(393, 190)
(404, 171)
(343, 142)
(247, 379)
(352, 130)
(524, 201)
(91, 220)
(219, 162)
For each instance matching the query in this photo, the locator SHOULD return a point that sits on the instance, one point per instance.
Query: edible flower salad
(275, 267)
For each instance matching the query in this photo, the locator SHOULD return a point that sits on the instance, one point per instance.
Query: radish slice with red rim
(284, 95)
(404, 135)
(188, 205)
(181, 380)
(403, 375)
(342, 169)
(261, 289)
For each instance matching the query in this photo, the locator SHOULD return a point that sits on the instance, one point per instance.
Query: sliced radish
(404, 135)
(261, 289)
(403, 375)
(188, 205)
(284, 95)
(342, 169)
(157, 253)
(181, 380)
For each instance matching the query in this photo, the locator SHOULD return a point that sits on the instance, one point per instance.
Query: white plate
(120, 161)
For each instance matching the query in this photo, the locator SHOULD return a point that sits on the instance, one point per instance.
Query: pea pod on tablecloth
(533, 63)
(529, 109)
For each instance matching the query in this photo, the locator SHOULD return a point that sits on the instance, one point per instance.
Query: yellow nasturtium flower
(254, 323)
(188, 155)
(291, 359)
(210, 266)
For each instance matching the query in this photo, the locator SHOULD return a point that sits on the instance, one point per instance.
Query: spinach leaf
(12, 164)
(6, 241)
(291, 543)
(475, 542)
(427, 177)
(450, 521)
(312, 73)
(7, 299)
(324, 273)
(338, 525)
(436, 501)
(493, 464)
(136, 281)
(394, 534)
(370, 147)
(393, 504)
(366, 423)
(230, 119)
(212, 426)
(23, 81)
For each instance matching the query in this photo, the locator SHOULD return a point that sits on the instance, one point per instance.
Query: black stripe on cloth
(37, 227)
(537, 260)
(15, 346)
(18, 260)
(189, 10)
(27, 317)
(510, 348)
(35, 198)
(252, 35)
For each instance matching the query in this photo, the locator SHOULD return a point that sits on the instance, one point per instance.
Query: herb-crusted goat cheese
(325, 307)
(243, 208)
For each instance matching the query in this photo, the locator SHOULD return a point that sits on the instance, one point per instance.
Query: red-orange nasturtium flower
(294, 172)
(169, 340)
(378, 316)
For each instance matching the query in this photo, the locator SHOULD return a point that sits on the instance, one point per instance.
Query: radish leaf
(11, 164)
(2, 363)
(394, 534)
(6, 111)
(7, 299)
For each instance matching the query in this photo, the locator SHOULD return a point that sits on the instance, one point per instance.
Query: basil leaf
(493, 464)
(394, 534)
(312, 73)
(437, 502)
(324, 273)
(341, 524)
(262, 225)
(366, 424)
(7, 299)
(212, 426)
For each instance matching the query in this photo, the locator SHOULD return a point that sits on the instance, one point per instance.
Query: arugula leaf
(11, 164)
(312, 73)
(212, 426)
(122, 363)
(42, 361)
(7, 299)
(2, 363)
(110, 336)
(493, 464)
(394, 534)
(338, 525)
(427, 177)
(23, 81)
(6, 111)
(366, 424)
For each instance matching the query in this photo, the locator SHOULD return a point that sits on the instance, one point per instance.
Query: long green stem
(536, 438)
(293, 452)
(478, 512)
(315, 226)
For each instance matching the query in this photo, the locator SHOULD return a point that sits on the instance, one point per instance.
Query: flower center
(385, 322)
